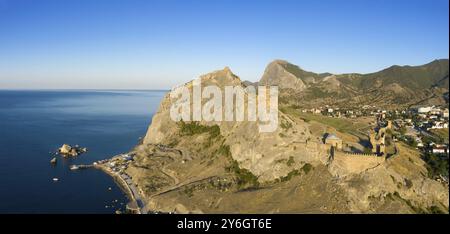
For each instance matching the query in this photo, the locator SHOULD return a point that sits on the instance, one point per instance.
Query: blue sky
(157, 44)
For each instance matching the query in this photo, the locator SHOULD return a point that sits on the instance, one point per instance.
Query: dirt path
(177, 186)
(171, 174)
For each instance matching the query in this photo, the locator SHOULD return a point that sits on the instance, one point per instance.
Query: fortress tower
(334, 141)
(377, 140)
(389, 124)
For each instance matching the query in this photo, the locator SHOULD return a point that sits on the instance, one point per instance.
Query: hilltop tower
(389, 124)
(334, 141)
(377, 140)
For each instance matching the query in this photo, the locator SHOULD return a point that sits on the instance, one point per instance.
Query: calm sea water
(35, 123)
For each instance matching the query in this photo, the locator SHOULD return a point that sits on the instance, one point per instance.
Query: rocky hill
(250, 148)
(391, 87)
(230, 167)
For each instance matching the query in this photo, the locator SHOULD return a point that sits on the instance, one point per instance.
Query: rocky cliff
(277, 74)
(232, 167)
(255, 151)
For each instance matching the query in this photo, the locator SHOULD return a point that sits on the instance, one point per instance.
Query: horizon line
(80, 89)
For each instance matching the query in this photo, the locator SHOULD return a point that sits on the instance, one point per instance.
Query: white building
(445, 113)
(439, 150)
(424, 109)
(439, 125)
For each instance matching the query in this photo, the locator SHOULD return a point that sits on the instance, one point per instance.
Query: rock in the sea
(73, 152)
(53, 161)
(67, 150)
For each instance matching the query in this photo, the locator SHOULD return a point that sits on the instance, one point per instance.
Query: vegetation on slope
(392, 86)
(194, 128)
(436, 165)
(413, 77)
(442, 134)
(299, 73)
(341, 125)
(245, 179)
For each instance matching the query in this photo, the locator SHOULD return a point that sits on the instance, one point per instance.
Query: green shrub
(435, 210)
(224, 150)
(290, 175)
(436, 165)
(290, 162)
(307, 168)
(411, 141)
(189, 191)
(285, 125)
(244, 177)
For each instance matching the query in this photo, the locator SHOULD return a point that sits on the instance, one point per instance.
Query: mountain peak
(280, 61)
(221, 77)
(227, 69)
(278, 73)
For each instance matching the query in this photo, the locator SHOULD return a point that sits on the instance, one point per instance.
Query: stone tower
(377, 140)
(334, 141)
(389, 124)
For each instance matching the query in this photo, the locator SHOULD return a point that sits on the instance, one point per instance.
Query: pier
(78, 167)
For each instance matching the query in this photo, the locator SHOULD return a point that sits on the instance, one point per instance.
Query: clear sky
(157, 44)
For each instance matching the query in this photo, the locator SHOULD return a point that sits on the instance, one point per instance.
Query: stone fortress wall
(344, 163)
(370, 158)
(340, 161)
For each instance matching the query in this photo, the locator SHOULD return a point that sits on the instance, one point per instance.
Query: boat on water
(74, 167)
(55, 179)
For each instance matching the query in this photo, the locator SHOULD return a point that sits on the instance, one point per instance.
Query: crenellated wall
(352, 156)
(344, 163)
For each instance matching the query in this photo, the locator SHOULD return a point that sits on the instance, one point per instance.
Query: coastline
(136, 203)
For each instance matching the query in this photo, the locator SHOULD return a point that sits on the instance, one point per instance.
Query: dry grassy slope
(314, 192)
(398, 184)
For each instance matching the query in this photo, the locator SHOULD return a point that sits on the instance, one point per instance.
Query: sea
(34, 124)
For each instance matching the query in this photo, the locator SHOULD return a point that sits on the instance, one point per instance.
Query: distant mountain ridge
(396, 85)
(414, 77)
